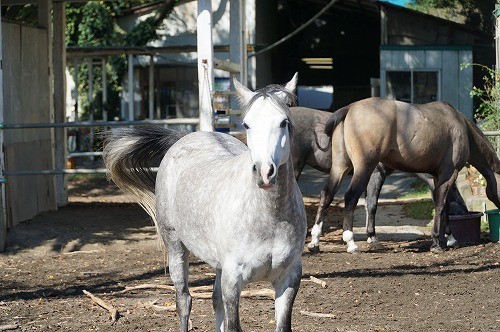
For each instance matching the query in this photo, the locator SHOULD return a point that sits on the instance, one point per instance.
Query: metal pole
(91, 101)
(131, 87)
(175, 121)
(104, 90)
(76, 96)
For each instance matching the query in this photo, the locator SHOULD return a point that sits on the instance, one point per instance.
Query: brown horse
(432, 138)
(311, 146)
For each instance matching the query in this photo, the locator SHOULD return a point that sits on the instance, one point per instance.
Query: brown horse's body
(432, 138)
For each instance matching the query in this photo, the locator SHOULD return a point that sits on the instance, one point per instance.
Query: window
(417, 87)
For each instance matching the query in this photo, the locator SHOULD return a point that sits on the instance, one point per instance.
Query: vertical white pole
(130, 87)
(77, 95)
(151, 96)
(104, 81)
(237, 38)
(91, 99)
(3, 214)
(205, 64)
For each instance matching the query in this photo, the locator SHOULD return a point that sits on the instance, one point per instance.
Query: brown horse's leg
(441, 217)
(329, 190)
(372, 193)
(356, 188)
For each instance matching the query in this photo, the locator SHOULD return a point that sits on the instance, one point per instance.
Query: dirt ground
(101, 244)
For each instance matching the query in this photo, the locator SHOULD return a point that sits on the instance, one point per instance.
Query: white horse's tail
(129, 154)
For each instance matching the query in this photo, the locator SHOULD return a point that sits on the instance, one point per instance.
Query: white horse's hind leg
(286, 287)
(315, 234)
(329, 190)
(178, 267)
(217, 302)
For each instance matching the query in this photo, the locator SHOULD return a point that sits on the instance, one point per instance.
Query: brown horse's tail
(481, 149)
(337, 117)
(327, 148)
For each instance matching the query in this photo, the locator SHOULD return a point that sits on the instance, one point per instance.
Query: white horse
(239, 209)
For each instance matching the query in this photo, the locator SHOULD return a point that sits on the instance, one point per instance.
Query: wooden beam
(100, 51)
(34, 2)
(205, 64)
(59, 73)
(3, 214)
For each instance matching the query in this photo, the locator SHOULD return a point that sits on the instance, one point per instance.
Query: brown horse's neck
(482, 154)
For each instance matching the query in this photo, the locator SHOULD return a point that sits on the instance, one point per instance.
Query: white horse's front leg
(348, 237)
(217, 302)
(231, 286)
(286, 287)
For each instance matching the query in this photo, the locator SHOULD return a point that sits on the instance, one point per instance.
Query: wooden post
(205, 64)
(383, 26)
(3, 214)
(59, 72)
(130, 87)
(151, 95)
(496, 13)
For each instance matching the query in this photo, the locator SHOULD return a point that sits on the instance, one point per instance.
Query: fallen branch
(265, 292)
(8, 327)
(112, 310)
(157, 307)
(80, 252)
(318, 281)
(200, 292)
(316, 314)
(164, 287)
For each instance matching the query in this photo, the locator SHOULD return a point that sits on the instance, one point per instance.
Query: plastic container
(494, 222)
(466, 229)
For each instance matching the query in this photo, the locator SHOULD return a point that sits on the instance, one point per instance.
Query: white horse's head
(268, 126)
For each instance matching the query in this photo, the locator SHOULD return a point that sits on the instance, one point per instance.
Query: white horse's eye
(245, 125)
(283, 123)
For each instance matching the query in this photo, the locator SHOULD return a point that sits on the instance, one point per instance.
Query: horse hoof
(372, 240)
(313, 248)
(354, 251)
(437, 250)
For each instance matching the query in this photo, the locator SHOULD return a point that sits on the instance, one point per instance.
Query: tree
(476, 13)
(95, 24)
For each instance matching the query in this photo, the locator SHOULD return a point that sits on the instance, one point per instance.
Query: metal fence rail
(85, 124)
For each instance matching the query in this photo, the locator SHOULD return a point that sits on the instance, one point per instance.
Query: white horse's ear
(244, 93)
(292, 85)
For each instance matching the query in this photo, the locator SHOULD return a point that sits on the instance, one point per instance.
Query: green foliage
(143, 33)
(477, 13)
(487, 98)
(423, 210)
(419, 190)
(95, 24)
